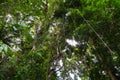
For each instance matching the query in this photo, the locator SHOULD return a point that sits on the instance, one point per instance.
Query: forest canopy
(59, 40)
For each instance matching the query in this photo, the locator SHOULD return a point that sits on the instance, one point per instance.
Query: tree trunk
(110, 73)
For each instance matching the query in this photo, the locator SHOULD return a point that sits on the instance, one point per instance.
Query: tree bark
(110, 73)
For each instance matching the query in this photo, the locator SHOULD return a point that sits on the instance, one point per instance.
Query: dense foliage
(59, 40)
